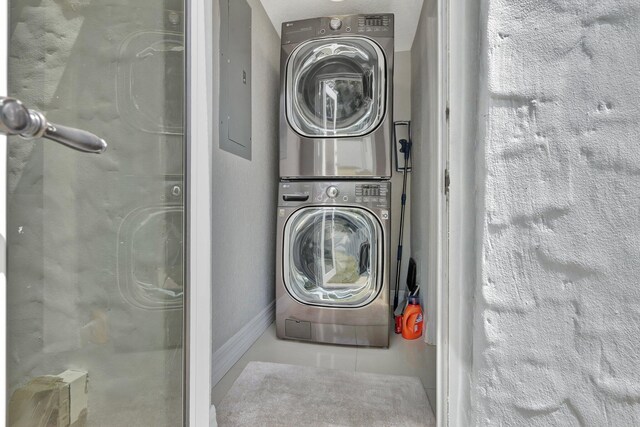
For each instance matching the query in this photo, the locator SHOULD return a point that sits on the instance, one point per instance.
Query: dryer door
(336, 87)
(333, 256)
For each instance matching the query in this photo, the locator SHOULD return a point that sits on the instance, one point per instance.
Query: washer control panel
(374, 190)
(372, 194)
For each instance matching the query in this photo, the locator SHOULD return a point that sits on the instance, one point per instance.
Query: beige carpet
(270, 394)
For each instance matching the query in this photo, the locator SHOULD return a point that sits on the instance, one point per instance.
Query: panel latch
(447, 182)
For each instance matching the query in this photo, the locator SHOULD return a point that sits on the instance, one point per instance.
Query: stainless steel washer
(336, 97)
(332, 280)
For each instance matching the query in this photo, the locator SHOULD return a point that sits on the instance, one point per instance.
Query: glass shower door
(95, 264)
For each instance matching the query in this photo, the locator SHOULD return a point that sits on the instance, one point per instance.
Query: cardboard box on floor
(51, 401)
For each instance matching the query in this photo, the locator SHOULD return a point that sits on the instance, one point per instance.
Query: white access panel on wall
(235, 77)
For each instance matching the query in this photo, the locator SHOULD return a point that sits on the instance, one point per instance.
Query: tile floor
(403, 357)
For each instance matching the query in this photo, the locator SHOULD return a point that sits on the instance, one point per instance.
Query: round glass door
(332, 257)
(336, 87)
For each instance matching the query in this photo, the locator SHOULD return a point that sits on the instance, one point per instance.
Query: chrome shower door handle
(16, 119)
(77, 139)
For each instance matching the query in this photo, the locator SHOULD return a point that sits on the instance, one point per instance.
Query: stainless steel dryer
(336, 97)
(332, 280)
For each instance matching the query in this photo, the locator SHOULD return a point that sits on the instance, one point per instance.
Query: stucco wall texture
(557, 320)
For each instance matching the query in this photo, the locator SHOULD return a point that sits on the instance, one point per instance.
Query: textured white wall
(245, 195)
(558, 310)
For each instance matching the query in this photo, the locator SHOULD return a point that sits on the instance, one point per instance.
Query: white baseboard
(430, 333)
(226, 356)
(213, 422)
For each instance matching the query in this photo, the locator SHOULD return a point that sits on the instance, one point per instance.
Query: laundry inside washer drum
(337, 247)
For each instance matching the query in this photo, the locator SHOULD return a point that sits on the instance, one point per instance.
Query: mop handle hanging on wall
(406, 150)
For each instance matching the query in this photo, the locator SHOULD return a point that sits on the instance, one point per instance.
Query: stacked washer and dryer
(334, 201)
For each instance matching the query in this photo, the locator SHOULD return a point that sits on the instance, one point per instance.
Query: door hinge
(447, 181)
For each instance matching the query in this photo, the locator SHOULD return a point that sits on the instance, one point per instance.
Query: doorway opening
(250, 192)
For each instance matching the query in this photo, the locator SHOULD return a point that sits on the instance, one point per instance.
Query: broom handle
(407, 153)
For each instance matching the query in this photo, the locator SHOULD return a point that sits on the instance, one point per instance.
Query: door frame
(442, 244)
(4, 54)
(461, 68)
(197, 327)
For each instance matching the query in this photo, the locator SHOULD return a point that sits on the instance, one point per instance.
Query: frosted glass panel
(95, 242)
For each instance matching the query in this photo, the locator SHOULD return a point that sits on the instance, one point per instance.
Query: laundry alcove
(248, 254)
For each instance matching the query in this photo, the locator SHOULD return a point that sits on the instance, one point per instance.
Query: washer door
(145, 59)
(336, 87)
(150, 267)
(333, 256)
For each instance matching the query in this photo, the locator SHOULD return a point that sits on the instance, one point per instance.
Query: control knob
(332, 192)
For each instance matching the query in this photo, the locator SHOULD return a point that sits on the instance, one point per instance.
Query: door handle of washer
(368, 85)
